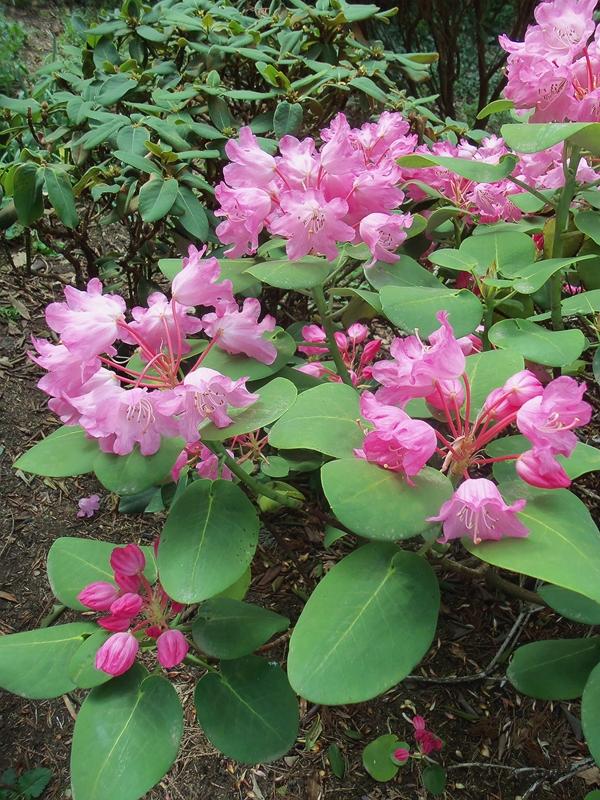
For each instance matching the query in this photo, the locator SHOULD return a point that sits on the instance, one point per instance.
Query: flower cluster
(427, 742)
(133, 607)
(436, 373)
(346, 191)
(122, 401)
(357, 353)
(556, 69)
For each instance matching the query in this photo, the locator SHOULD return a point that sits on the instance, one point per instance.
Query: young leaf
(377, 757)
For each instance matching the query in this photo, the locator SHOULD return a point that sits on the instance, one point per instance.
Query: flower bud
(128, 560)
(129, 605)
(98, 596)
(114, 623)
(127, 583)
(538, 467)
(172, 648)
(117, 654)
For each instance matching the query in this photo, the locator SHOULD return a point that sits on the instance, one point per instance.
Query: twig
(553, 772)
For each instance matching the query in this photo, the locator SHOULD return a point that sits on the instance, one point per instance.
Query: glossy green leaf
(73, 563)
(341, 650)
(556, 669)
(590, 713)
(495, 107)
(35, 664)
(487, 371)
(536, 343)
(126, 737)
(287, 118)
(133, 138)
(479, 171)
(194, 218)
(563, 546)
(140, 163)
(404, 272)
(66, 452)
(378, 503)
(532, 137)
(571, 605)
(274, 399)
(228, 629)
(415, 308)
(238, 589)
(377, 757)
(208, 540)
(499, 250)
(60, 194)
(304, 274)
(134, 472)
(248, 710)
(434, 779)
(325, 419)
(112, 89)
(156, 198)
(82, 669)
(27, 193)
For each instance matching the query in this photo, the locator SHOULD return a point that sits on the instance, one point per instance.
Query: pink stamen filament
(480, 461)
(451, 424)
(206, 351)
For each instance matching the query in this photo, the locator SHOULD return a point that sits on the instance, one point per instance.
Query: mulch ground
(516, 747)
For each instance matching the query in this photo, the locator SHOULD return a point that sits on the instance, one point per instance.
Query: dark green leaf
(556, 669)
(60, 194)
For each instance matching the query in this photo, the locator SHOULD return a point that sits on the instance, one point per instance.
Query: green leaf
(341, 650)
(325, 419)
(378, 503)
(239, 589)
(527, 280)
(248, 710)
(60, 194)
(219, 113)
(274, 399)
(132, 139)
(240, 366)
(33, 782)
(415, 308)
(100, 133)
(434, 779)
(337, 762)
(126, 737)
(533, 137)
(310, 271)
(134, 472)
(35, 664)
(505, 251)
(571, 605)
(404, 272)
(563, 546)
(139, 162)
(590, 713)
(82, 669)
(556, 669)
(27, 192)
(370, 88)
(495, 107)
(536, 343)
(113, 89)
(487, 371)
(229, 629)
(478, 171)
(287, 118)
(208, 540)
(65, 453)
(157, 197)
(194, 218)
(73, 563)
(377, 757)
(584, 457)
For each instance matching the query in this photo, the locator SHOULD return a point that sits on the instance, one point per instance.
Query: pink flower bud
(315, 335)
(127, 583)
(538, 467)
(117, 654)
(129, 605)
(419, 723)
(401, 755)
(172, 648)
(177, 608)
(341, 340)
(153, 631)
(114, 623)
(370, 351)
(98, 596)
(128, 560)
(517, 390)
(357, 333)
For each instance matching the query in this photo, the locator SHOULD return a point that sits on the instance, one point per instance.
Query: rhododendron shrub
(419, 380)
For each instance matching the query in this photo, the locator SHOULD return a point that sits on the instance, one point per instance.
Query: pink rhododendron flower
(88, 506)
(540, 468)
(450, 393)
(517, 390)
(312, 224)
(98, 596)
(383, 234)
(239, 331)
(128, 560)
(313, 334)
(246, 211)
(117, 654)
(547, 420)
(88, 321)
(299, 163)
(417, 367)
(172, 647)
(251, 165)
(66, 374)
(398, 443)
(205, 394)
(163, 324)
(208, 466)
(427, 740)
(477, 510)
(198, 282)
